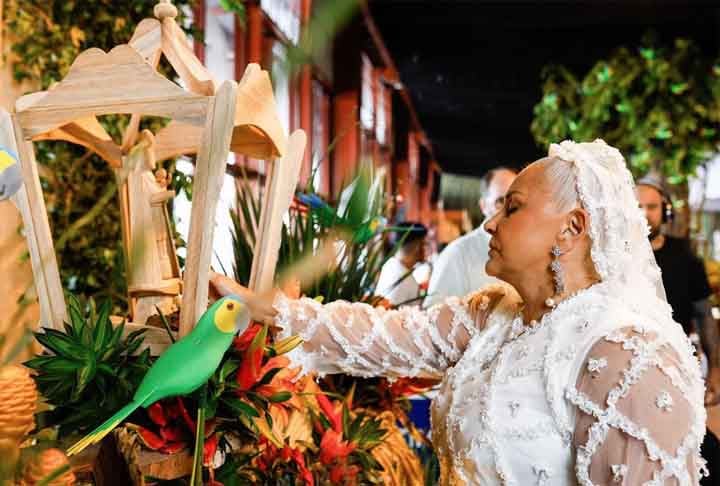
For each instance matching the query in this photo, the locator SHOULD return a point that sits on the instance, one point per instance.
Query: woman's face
(525, 230)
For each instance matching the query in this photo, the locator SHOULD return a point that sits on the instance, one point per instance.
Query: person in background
(397, 283)
(687, 289)
(450, 275)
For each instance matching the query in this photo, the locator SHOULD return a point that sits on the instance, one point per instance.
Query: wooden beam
(177, 139)
(100, 83)
(30, 202)
(209, 173)
(282, 183)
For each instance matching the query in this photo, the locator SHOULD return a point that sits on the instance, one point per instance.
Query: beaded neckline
(519, 328)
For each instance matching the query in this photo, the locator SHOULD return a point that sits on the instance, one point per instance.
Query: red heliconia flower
(344, 474)
(150, 439)
(249, 371)
(156, 412)
(242, 342)
(172, 433)
(305, 473)
(332, 447)
(175, 428)
(209, 449)
(185, 415)
(411, 386)
(333, 413)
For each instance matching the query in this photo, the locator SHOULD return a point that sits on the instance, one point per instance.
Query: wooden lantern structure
(207, 118)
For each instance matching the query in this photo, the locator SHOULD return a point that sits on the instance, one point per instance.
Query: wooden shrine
(207, 118)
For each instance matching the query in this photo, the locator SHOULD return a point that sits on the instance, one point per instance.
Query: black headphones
(668, 213)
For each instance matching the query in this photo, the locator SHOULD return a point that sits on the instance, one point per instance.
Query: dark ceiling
(473, 67)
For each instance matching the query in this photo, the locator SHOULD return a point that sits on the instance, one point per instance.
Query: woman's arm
(636, 422)
(362, 340)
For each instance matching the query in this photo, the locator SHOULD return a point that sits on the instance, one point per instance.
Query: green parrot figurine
(10, 175)
(183, 367)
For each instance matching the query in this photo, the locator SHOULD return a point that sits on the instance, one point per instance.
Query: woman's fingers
(481, 304)
(260, 305)
(224, 285)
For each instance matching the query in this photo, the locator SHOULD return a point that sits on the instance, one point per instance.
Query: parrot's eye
(230, 306)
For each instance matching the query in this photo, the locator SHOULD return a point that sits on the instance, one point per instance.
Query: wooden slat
(30, 202)
(90, 134)
(282, 184)
(147, 40)
(208, 180)
(182, 58)
(177, 139)
(101, 83)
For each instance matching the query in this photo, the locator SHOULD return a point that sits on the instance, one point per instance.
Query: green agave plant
(89, 369)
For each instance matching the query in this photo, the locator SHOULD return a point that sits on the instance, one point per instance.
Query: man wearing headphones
(684, 278)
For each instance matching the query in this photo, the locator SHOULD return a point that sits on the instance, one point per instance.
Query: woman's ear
(576, 226)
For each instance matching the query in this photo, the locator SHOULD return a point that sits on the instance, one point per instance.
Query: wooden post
(254, 33)
(30, 202)
(209, 172)
(306, 118)
(282, 182)
(347, 152)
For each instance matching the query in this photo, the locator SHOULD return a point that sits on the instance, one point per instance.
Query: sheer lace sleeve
(361, 340)
(635, 424)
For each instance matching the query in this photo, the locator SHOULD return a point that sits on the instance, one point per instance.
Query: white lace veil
(621, 249)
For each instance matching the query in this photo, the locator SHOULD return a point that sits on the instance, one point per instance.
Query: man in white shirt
(460, 268)
(397, 283)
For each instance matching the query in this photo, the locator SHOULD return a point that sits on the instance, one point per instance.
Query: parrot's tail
(104, 429)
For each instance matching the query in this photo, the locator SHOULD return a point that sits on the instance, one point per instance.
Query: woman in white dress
(579, 377)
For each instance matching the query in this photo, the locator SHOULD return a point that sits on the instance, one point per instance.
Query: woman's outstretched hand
(483, 302)
(260, 305)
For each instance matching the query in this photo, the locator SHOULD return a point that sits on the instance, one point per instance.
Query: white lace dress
(592, 394)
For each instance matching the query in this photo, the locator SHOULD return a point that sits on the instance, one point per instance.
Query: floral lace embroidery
(664, 401)
(536, 431)
(596, 364)
(514, 407)
(644, 355)
(423, 347)
(619, 471)
(543, 475)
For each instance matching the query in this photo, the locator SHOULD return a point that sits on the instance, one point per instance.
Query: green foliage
(659, 105)
(360, 262)
(46, 37)
(234, 6)
(89, 371)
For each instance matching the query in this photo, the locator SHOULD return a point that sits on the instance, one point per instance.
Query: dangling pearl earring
(557, 271)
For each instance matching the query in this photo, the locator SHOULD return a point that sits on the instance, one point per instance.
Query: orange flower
(333, 448)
